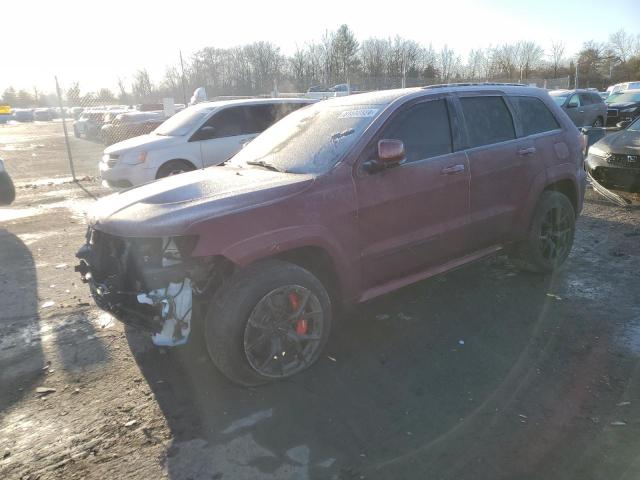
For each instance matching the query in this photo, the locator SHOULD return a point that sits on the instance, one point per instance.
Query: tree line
(260, 68)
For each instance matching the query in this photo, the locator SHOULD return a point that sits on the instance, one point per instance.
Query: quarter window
(534, 115)
(488, 120)
(424, 129)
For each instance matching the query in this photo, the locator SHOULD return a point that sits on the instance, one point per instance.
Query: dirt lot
(483, 373)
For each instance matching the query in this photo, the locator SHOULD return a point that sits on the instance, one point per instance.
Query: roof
(249, 101)
(385, 97)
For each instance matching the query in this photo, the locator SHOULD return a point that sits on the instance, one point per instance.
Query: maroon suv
(337, 203)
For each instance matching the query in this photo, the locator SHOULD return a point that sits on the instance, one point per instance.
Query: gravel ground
(482, 373)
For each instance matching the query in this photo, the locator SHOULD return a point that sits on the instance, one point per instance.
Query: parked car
(6, 113)
(337, 203)
(584, 107)
(199, 136)
(89, 124)
(131, 124)
(7, 190)
(43, 114)
(23, 115)
(623, 108)
(621, 87)
(75, 112)
(614, 161)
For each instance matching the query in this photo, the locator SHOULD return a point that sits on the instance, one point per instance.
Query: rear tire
(550, 235)
(174, 167)
(253, 333)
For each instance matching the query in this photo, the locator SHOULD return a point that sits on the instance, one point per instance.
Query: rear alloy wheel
(550, 235)
(269, 321)
(598, 122)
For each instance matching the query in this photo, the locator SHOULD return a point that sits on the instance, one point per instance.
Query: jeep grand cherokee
(339, 202)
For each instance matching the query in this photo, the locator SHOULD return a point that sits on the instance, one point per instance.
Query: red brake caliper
(301, 325)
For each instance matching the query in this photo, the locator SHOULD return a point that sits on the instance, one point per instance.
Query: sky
(94, 43)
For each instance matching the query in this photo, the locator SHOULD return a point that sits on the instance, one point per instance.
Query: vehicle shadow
(21, 356)
(420, 383)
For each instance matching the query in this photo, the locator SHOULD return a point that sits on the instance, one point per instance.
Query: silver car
(584, 107)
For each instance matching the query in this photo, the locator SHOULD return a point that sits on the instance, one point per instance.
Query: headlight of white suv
(629, 110)
(134, 158)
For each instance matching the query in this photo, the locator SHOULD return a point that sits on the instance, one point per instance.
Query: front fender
(269, 244)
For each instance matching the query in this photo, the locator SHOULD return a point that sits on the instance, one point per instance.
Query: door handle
(581, 111)
(453, 169)
(527, 151)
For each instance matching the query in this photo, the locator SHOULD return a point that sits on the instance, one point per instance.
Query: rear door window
(424, 129)
(488, 120)
(585, 99)
(534, 116)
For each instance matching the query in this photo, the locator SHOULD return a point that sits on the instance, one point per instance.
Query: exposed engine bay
(151, 283)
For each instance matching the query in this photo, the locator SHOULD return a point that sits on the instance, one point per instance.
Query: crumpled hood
(171, 205)
(624, 141)
(141, 142)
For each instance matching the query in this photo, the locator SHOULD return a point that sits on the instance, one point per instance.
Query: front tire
(550, 235)
(174, 167)
(599, 122)
(267, 322)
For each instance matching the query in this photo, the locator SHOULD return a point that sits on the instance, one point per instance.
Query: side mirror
(390, 153)
(572, 105)
(205, 133)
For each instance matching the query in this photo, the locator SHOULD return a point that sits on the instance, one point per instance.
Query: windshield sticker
(362, 113)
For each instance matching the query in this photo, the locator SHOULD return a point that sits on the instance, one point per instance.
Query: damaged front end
(150, 283)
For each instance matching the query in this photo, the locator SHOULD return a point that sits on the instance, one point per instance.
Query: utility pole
(64, 128)
(184, 90)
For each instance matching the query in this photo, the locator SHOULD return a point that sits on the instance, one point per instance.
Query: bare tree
(9, 97)
(448, 63)
(142, 87)
(105, 96)
(622, 45)
(529, 56)
(73, 94)
(556, 55)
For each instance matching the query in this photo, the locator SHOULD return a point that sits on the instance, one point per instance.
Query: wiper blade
(263, 164)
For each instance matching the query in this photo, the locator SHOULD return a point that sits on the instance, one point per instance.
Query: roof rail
(472, 84)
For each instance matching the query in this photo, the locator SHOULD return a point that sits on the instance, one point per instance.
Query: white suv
(200, 136)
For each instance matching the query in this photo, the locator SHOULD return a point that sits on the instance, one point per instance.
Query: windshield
(183, 122)
(624, 97)
(310, 140)
(635, 126)
(559, 98)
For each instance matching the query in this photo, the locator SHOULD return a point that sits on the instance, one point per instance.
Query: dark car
(43, 114)
(131, 124)
(584, 107)
(90, 123)
(7, 190)
(23, 115)
(338, 203)
(623, 108)
(614, 161)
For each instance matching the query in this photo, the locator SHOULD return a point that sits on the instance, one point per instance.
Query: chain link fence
(83, 124)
